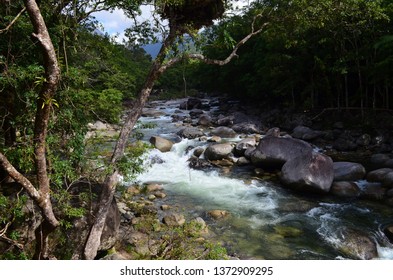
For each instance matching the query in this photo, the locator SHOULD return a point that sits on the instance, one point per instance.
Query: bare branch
(13, 21)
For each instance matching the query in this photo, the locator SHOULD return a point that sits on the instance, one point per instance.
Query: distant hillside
(152, 49)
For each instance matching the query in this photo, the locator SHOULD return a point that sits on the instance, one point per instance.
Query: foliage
(312, 54)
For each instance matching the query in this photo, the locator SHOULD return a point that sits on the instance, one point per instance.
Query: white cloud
(116, 22)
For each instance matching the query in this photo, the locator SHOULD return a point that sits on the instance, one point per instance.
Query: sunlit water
(266, 221)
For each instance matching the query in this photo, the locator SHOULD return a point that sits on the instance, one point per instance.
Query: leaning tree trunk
(109, 185)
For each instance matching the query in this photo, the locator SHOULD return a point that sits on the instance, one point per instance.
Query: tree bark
(44, 105)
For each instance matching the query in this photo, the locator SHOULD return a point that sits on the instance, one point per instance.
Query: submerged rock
(357, 245)
(218, 214)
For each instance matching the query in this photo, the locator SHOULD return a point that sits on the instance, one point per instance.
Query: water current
(267, 221)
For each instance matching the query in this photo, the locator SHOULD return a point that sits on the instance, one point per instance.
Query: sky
(116, 22)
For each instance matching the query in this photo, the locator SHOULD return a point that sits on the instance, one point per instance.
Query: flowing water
(267, 221)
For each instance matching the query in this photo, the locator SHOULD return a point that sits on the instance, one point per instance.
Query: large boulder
(308, 172)
(273, 152)
(224, 132)
(218, 151)
(161, 144)
(190, 133)
(348, 171)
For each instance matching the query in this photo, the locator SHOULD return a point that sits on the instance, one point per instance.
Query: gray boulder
(161, 144)
(190, 133)
(273, 152)
(224, 132)
(218, 151)
(348, 171)
(308, 172)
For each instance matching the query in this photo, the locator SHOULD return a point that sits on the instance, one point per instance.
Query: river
(267, 221)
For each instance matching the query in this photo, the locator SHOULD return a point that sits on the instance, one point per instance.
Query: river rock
(305, 133)
(190, 133)
(379, 160)
(153, 113)
(204, 120)
(345, 189)
(224, 132)
(199, 163)
(373, 191)
(194, 113)
(225, 121)
(215, 139)
(378, 175)
(198, 151)
(153, 188)
(174, 220)
(191, 103)
(348, 171)
(246, 128)
(218, 151)
(308, 172)
(273, 152)
(161, 144)
(357, 245)
(218, 214)
(243, 145)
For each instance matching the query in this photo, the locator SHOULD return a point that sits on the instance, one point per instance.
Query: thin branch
(13, 21)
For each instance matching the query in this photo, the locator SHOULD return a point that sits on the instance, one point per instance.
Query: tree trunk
(52, 76)
(109, 186)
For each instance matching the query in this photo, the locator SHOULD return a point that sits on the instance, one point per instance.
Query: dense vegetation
(309, 54)
(312, 54)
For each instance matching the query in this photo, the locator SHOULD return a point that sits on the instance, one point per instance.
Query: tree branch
(207, 60)
(13, 21)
